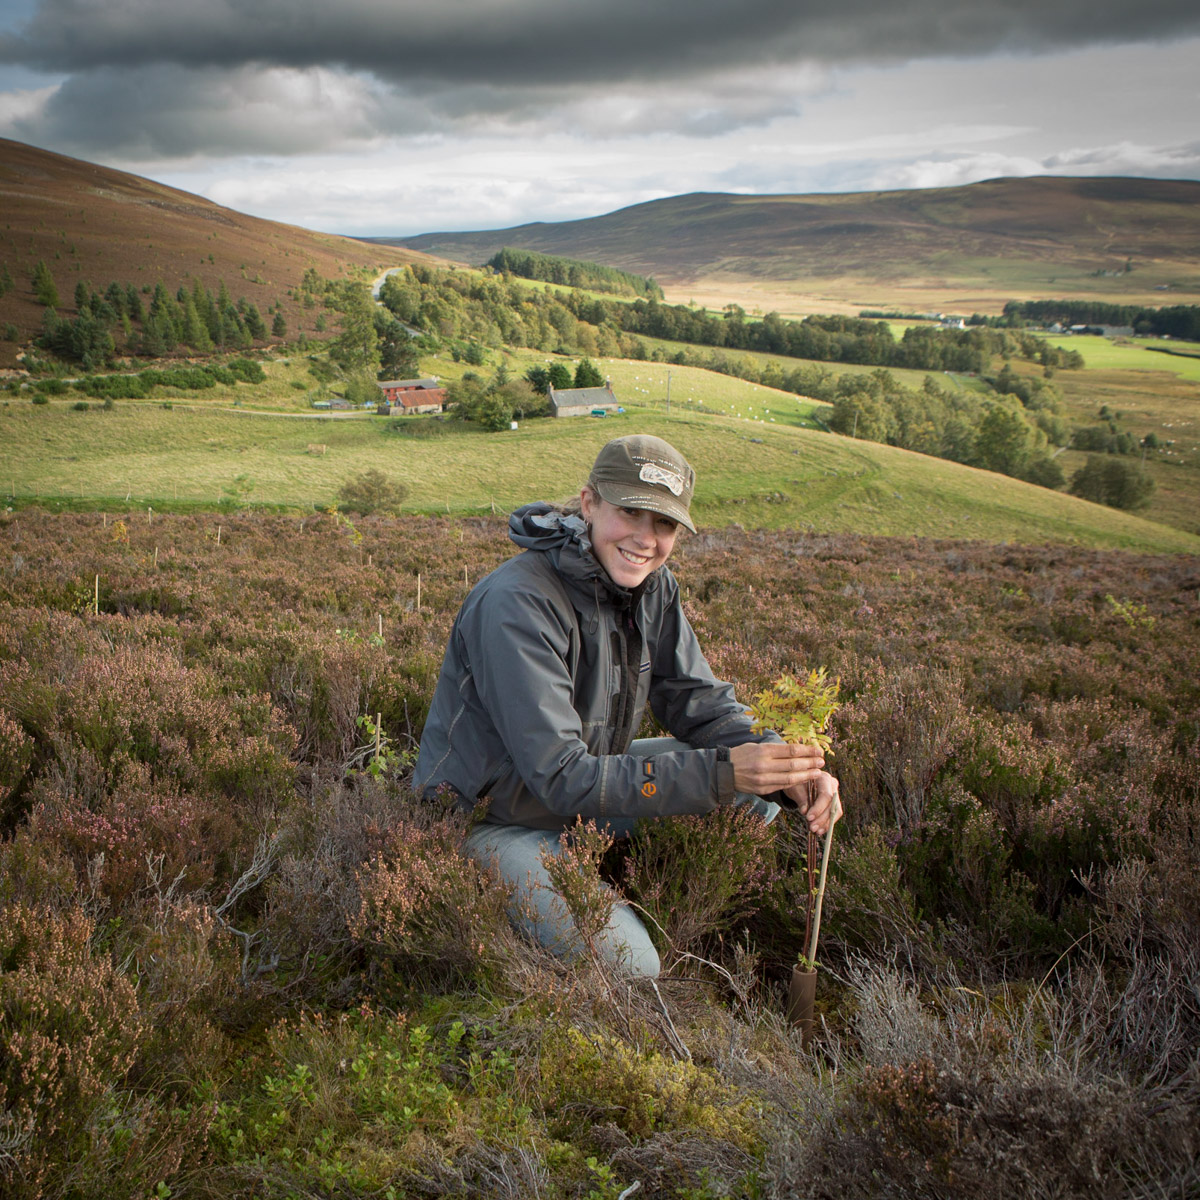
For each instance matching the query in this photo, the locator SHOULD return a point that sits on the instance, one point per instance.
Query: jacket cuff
(726, 791)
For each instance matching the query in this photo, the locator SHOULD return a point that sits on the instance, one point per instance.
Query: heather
(238, 957)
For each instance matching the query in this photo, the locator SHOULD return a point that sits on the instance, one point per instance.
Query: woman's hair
(572, 506)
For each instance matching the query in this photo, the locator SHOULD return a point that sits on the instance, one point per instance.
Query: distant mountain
(96, 224)
(1047, 236)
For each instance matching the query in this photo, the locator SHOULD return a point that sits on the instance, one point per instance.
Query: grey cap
(640, 471)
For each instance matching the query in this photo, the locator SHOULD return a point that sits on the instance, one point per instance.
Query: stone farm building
(581, 402)
(413, 395)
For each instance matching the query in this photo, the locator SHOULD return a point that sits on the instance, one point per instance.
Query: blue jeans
(514, 852)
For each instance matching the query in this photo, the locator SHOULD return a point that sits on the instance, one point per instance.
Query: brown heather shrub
(425, 908)
(870, 911)
(142, 705)
(35, 874)
(114, 839)
(729, 856)
(1021, 767)
(71, 1030)
(981, 1097)
(16, 754)
(1149, 916)
(896, 736)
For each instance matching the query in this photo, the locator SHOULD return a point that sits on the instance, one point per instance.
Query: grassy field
(1145, 393)
(750, 471)
(1144, 354)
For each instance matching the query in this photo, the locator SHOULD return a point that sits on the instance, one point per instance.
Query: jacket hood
(564, 536)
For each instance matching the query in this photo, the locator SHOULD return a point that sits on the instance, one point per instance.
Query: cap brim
(625, 497)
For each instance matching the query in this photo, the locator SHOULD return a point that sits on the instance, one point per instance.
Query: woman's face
(628, 543)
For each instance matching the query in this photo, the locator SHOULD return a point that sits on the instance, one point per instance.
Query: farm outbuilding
(413, 395)
(582, 402)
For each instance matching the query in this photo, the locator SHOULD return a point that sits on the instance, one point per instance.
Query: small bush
(1112, 481)
(352, 1105)
(589, 1081)
(699, 876)
(425, 906)
(247, 370)
(71, 1030)
(372, 491)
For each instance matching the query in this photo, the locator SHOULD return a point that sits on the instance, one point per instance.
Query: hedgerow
(214, 876)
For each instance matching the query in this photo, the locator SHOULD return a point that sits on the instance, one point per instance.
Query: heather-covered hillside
(238, 958)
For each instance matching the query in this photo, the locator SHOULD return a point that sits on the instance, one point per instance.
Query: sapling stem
(834, 817)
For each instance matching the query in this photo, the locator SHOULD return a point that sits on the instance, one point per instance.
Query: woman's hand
(764, 767)
(816, 801)
(795, 768)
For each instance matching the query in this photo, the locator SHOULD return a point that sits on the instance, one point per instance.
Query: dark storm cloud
(163, 111)
(509, 43)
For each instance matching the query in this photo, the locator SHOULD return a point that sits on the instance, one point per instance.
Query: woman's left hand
(815, 800)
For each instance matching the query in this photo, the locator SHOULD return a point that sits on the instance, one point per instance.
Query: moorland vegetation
(239, 958)
(952, 249)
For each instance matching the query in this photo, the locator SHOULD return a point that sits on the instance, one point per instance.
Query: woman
(551, 662)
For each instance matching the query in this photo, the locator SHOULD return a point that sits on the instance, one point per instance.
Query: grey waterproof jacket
(546, 677)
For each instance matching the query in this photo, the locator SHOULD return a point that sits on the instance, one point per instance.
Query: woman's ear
(587, 503)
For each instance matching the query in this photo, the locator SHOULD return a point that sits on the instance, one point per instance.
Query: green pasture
(1144, 354)
(750, 471)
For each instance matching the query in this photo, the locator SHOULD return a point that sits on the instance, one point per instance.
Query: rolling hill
(92, 223)
(963, 248)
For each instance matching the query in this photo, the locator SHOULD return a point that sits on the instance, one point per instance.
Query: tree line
(1176, 321)
(496, 310)
(570, 272)
(194, 318)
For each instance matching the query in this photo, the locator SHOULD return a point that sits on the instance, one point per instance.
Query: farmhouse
(581, 402)
(413, 395)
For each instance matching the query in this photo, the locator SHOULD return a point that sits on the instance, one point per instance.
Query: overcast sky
(409, 116)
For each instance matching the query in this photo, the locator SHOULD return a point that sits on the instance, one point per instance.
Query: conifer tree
(195, 331)
(587, 375)
(43, 286)
(255, 325)
(133, 304)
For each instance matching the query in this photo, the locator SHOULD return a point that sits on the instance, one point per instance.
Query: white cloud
(23, 105)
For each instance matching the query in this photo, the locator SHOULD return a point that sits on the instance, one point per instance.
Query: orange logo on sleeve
(648, 789)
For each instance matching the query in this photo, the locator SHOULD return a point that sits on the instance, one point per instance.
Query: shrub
(16, 754)
(246, 369)
(372, 491)
(590, 1081)
(977, 1097)
(71, 1030)
(699, 876)
(363, 1103)
(424, 905)
(1112, 481)
(899, 733)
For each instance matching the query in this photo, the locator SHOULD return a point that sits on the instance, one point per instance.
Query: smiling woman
(552, 661)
